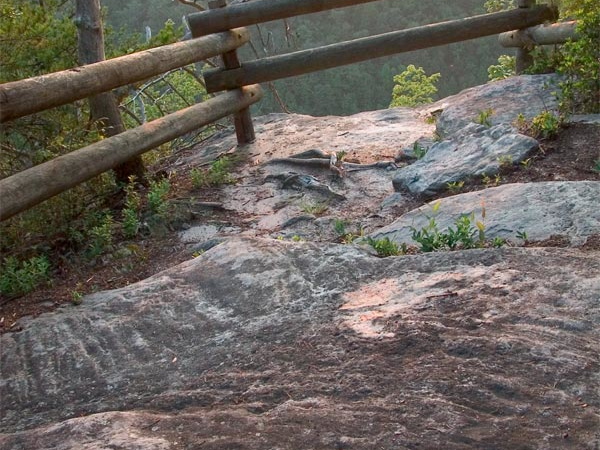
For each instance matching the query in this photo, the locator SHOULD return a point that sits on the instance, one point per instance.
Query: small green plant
(521, 122)
(198, 177)
(526, 163)
(522, 235)
(20, 277)
(455, 186)
(218, 174)
(340, 156)
(296, 238)
(429, 237)
(488, 181)
(431, 119)
(76, 297)
(316, 208)
(131, 213)
(349, 238)
(498, 242)
(505, 161)
(596, 166)
(545, 125)
(384, 247)
(419, 151)
(484, 117)
(157, 197)
(413, 87)
(101, 237)
(339, 226)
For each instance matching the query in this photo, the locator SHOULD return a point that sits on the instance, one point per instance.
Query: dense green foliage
(578, 60)
(39, 38)
(413, 87)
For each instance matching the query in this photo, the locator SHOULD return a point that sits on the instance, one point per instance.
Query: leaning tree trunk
(103, 107)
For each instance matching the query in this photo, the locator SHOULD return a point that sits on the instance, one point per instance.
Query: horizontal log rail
(20, 98)
(244, 14)
(32, 186)
(547, 34)
(320, 58)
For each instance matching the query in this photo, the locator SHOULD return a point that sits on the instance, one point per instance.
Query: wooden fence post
(242, 120)
(524, 59)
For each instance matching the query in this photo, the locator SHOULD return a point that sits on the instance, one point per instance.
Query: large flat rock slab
(528, 95)
(569, 209)
(473, 152)
(271, 207)
(368, 136)
(266, 344)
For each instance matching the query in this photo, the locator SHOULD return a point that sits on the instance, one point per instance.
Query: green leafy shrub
(467, 234)
(39, 38)
(157, 197)
(580, 61)
(413, 87)
(20, 277)
(339, 226)
(545, 125)
(505, 68)
(455, 186)
(419, 151)
(131, 213)
(385, 247)
(101, 237)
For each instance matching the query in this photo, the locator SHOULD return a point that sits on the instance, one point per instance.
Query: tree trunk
(103, 107)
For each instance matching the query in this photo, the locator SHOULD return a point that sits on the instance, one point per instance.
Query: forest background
(350, 89)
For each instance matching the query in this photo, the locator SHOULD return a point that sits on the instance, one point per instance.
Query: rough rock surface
(526, 94)
(475, 150)
(267, 344)
(468, 149)
(264, 344)
(568, 209)
(270, 209)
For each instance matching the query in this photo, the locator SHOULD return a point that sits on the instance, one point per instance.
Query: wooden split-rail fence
(219, 31)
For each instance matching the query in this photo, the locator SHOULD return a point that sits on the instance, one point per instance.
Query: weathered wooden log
(523, 57)
(242, 120)
(547, 34)
(306, 61)
(20, 98)
(32, 186)
(251, 13)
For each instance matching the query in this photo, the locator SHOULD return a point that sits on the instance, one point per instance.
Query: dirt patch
(571, 156)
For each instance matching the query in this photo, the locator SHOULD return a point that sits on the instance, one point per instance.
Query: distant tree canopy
(349, 89)
(368, 85)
